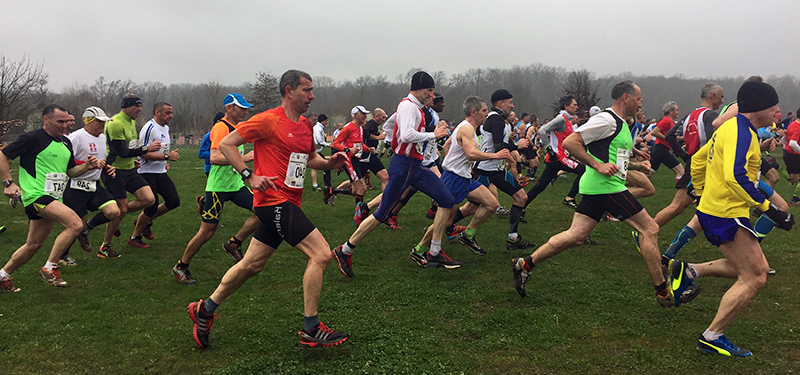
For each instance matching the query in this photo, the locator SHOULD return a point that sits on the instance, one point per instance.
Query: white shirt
(85, 144)
(319, 137)
(151, 132)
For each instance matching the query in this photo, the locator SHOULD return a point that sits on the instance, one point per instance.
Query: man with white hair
(350, 141)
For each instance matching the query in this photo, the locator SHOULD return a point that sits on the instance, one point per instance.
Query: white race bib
(133, 144)
(55, 183)
(356, 150)
(420, 148)
(623, 156)
(85, 185)
(165, 148)
(296, 170)
(430, 150)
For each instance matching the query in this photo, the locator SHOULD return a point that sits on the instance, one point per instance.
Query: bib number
(357, 148)
(55, 183)
(429, 151)
(133, 144)
(501, 165)
(623, 157)
(296, 170)
(85, 185)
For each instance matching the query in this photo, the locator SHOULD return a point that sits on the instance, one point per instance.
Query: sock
(97, 220)
(348, 248)
(434, 208)
(182, 266)
(527, 264)
(315, 186)
(359, 198)
(4, 275)
(469, 232)
(419, 249)
(310, 323)
(711, 336)
(50, 265)
(691, 271)
(681, 240)
(514, 218)
(458, 217)
(513, 236)
(341, 191)
(661, 289)
(209, 306)
(236, 240)
(133, 238)
(764, 225)
(436, 246)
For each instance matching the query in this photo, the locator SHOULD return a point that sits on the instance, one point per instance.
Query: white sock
(347, 249)
(513, 236)
(315, 185)
(50, 265)
(711, 336)
(3, 274)
(691, 271)
(436, 246)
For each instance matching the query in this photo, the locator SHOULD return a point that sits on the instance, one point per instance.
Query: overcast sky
(229, 41)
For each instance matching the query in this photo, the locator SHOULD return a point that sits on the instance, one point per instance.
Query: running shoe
(590, 241)
(794, 202)
(183, 275)
(234, 249)
(147, 233)
(635, 235)
(7, 286)
(502, 211)
(316, 188)
(471, 243)
(570, 203)
(690, 293)
(202, 323)
(2, 229)
(392, 223)
(771, 272)
(345, 261)
(67, 260)
(520, 275)
(52, 277)
(519, 244)
(83, 240)
(107, 251)
(457, 229)
(201, 202)
(607, 217)
(322, 336)
(117, 233)
(441, 260)
(677, 280)
(327, 196)
(421, 260)
(431, 214)
(362, 211)
(665, 301)
(721, 346)
(137, 243)
(524, 178)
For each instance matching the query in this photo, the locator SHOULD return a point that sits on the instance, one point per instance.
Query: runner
(320, 142)
(604, 144)
(350, 141)
(46, 162)
(660, 154)
(284, 147)
(223, 185)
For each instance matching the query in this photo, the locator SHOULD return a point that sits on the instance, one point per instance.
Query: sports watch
(246, 173)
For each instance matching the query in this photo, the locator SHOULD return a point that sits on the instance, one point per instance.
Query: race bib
(623, 156)
(55, 183)
(501, 165)
(420, 147)
(165, 148)
(430, 150)
(133, 144)
(356, 150)
(85, 185)
(296, 170)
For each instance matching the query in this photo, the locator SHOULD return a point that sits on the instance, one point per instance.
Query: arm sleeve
(205, 147)
(556, 124)
(793, 144)
(672, 139)
(408, 117)
(735, 171)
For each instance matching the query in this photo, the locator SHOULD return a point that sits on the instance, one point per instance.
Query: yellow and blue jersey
(725, 171)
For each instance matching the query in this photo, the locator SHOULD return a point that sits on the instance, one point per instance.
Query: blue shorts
(720, 229)
(459, 186)
(404, 172)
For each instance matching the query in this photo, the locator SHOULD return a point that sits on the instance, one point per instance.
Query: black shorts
(82, 201)
(503, 180)
(620, 205)
(32, 210)
(212, 210)
(161, 185)
(282, 222)
(126, 181)
(374, 164)
(792, 162)
(662, 155)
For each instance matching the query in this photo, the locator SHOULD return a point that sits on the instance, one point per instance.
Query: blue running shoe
(721, 346)
(677, 280)
(635, 235)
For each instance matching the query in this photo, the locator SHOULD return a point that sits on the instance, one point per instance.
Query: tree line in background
(536, 89)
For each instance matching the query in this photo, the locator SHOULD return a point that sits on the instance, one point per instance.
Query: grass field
(590, 310)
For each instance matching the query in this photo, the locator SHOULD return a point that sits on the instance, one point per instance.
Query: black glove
(783, 220)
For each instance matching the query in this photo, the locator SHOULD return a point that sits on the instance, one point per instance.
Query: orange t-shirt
(281, 149)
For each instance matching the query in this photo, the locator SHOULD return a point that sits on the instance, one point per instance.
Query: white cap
(97, 113)
(357, 109)
(594, 110)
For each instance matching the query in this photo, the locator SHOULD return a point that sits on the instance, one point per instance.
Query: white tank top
(456, 160)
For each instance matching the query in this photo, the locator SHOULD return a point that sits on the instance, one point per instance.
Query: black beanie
(756, 96)
(131, 101)
(322, 118)
(421, 80)
(500, 94)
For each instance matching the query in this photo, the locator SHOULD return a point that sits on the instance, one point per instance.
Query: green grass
(590, 310)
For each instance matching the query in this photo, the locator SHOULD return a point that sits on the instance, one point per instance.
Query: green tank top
(223, 178)
(614, 149)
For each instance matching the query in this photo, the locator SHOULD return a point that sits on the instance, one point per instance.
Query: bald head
(379, 116)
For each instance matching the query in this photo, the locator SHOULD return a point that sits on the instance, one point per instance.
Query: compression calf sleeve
(681, 240)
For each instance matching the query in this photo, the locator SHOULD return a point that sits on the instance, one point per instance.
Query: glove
(783, 220)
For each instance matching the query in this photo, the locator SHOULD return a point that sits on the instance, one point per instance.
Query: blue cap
(237, 99)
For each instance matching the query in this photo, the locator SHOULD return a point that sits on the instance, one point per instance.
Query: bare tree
(581, 86)
(265, 92)
(19, 80)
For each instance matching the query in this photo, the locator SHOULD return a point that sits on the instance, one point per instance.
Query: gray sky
(196, 41)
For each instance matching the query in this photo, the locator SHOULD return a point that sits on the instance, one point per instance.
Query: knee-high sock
(514, 218)
(681, 239)
(97, 220)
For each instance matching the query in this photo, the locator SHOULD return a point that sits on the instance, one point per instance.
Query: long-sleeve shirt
(319, 137)
(205, 152)
(409, 131)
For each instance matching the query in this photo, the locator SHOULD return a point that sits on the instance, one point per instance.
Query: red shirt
(351, 137)
(281, 149)
(664, 125)
(792, 134)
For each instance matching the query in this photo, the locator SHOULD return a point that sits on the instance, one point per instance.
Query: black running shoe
(235, 250)
(471, 243)
(83, 239)
(322, 336)
(690, 293)
(147, 233)
(519, 244)
(327, 196)
(345, 261)
(183, 275)
(570, 203)
(421, 260)
(520, 275)
(441, 260)
(202, 323)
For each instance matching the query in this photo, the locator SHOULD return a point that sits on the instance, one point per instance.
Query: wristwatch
(166, 156)
(246, 173)
(7, 183)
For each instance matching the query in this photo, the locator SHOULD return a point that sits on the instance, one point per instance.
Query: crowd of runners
(462, 167)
